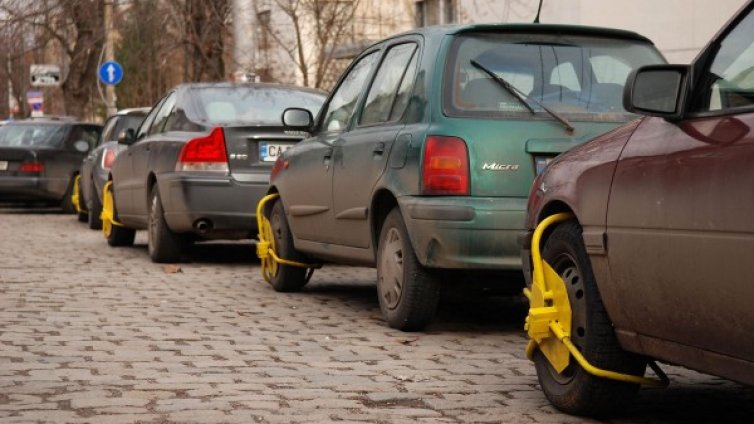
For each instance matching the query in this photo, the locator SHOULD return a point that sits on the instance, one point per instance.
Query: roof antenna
(539, 10)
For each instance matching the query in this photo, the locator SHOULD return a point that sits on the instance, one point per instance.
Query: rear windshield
(251, 105)
(38, 135)
(578, 76)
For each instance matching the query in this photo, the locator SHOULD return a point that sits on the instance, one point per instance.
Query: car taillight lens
(33, 166)
(204, 153)
(445, 166)
(279, 165)
(108, 158)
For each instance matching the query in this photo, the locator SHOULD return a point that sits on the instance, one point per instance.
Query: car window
(565, 75)
(144, 127)
(730, 78)
(342, 104)
(125, 122)
(162, 116)
(88, 134)
(248, 104)
(36, 135)
(577, 75)
(405, 90)
(108, 131)
(382, 94)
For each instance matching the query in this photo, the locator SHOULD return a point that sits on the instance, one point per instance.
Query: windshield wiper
(522, 97)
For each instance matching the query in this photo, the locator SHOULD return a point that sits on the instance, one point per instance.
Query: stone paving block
(99, 335)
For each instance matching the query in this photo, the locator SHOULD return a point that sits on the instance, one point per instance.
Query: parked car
(421, 160)
(95, 167)
(658, 248)
(39, 159)
(198, 164)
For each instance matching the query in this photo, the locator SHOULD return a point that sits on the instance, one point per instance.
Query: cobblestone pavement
(90, 334)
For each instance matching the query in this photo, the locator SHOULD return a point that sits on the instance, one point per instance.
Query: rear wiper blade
(521, 96)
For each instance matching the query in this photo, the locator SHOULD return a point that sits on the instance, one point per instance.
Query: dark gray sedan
(199, 163)
(39, 159)
(95, 167)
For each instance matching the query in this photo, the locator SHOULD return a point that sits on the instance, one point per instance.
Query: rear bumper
(465, 232)
(32, 188)
(226, 204)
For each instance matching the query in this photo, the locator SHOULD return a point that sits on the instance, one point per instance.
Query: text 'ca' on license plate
(3, 165)
(269, 152)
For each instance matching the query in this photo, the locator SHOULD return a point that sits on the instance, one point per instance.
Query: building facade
(679, 28)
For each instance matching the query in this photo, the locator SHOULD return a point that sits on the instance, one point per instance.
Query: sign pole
(110, 98)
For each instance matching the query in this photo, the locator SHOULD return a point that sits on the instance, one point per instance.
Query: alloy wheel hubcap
(391, 269)
(152, 224)
(566, 267)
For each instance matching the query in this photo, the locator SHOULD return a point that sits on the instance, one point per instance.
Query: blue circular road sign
(111, 72)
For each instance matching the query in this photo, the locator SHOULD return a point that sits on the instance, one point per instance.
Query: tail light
(445, 166)
(108, 158)
(279, 165)
(204, 154)
(33, 166)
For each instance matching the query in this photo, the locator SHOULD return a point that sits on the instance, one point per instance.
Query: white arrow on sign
(110, 73)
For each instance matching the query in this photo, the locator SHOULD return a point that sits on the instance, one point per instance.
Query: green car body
(339, 185)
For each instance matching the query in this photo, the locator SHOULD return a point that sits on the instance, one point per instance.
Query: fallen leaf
(172, 269)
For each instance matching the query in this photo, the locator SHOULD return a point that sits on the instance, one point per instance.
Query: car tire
(116, 235)
(574, 390)
(95, 210)
(163, 244)
(67, 202)
(408, 292)
(285, 278)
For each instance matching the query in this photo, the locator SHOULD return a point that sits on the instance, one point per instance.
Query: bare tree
(201, 26)
(313, 30)
(75, 28)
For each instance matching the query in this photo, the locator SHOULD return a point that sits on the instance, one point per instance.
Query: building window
(449, 15)
(263, 18)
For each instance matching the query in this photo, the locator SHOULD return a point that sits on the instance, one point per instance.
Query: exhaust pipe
(203, 226)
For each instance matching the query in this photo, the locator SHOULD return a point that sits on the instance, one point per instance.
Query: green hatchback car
(421, 159)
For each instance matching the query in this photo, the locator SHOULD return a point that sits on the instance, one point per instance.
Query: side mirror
(298, 119)
(127, 137)
(657, 90)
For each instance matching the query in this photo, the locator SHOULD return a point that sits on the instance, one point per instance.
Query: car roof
(226, 84)
(53, 121)
(134, 111)
(525, 28)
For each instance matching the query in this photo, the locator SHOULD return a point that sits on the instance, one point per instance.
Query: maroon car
(656, 259)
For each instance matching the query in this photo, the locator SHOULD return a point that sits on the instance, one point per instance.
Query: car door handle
(379, 149)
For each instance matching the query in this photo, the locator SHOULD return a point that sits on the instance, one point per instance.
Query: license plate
(3, 165)
(541, 162)
(269, 152)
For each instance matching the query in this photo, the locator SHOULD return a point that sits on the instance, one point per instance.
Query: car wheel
(116, 235)
(95, 210)
(408, 292)
(163, 244)
(574, 390)
(284, 278)
(67, 202)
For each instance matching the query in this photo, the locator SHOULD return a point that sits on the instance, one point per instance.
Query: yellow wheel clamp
(548, 324)
(266, 246)
(76, 195)
(108, 210)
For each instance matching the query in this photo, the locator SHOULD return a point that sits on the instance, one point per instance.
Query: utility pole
(244, 39)
(109, 56)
